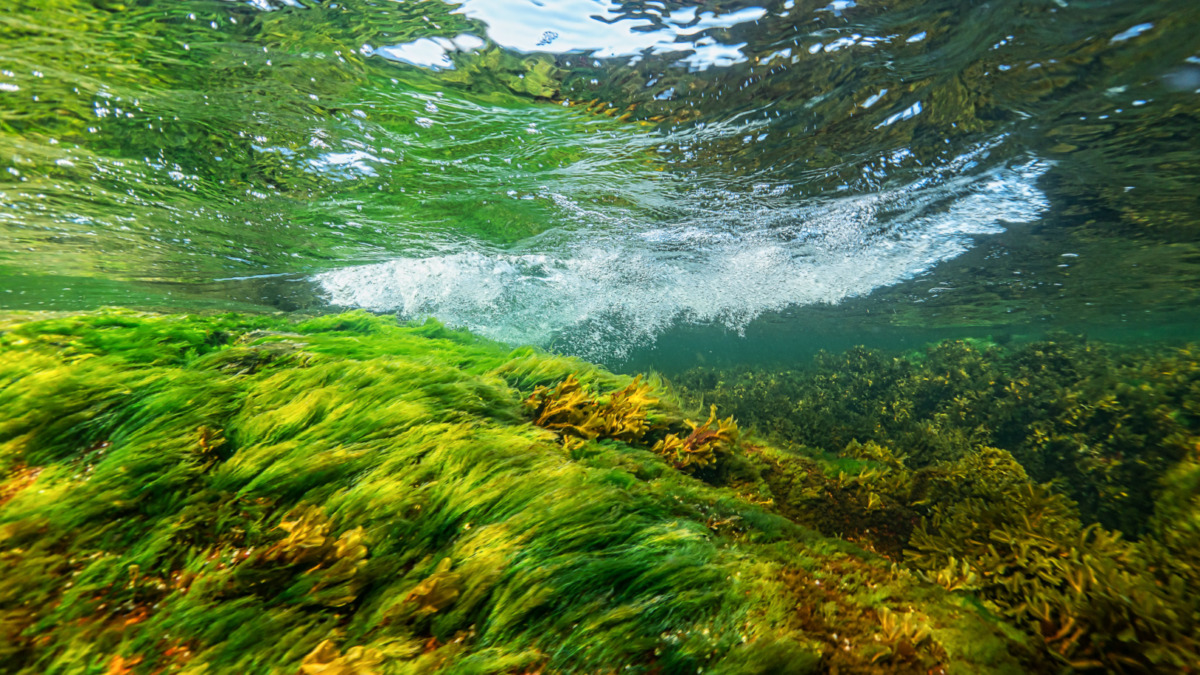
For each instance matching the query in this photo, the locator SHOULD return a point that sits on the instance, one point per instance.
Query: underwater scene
(385, 337)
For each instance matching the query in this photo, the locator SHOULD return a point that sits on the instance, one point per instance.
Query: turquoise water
(628, 182)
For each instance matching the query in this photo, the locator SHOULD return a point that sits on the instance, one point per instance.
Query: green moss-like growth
(349, 495)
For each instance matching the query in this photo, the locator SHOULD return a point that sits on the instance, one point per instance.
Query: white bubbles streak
(616, 284)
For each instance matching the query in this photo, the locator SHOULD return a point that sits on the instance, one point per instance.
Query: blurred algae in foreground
(345, 494)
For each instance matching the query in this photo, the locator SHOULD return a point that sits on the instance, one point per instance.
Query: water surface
(617, 180)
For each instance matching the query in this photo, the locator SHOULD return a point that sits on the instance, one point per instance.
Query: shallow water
(628, 182)
(907, 276)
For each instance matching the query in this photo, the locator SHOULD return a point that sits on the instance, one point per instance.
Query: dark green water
(648, 184)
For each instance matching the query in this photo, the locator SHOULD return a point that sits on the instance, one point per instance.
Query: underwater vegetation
(1105, 423)
(1056, 482)
(347, 494)
(626, 416)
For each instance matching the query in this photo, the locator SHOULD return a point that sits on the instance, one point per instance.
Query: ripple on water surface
(585, 174)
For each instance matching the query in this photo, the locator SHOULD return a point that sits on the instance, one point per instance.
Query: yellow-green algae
(1005, 474)
(349, 495)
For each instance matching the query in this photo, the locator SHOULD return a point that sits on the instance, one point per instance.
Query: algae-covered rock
(349, 495)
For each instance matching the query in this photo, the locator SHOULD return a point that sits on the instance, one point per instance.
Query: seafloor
(346, 494)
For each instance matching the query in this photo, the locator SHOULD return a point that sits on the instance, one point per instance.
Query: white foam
(596, 27)
(601, 289)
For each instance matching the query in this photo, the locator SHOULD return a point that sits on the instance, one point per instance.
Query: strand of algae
(349, 495)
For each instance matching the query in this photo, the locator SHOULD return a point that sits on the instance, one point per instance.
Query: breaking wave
(603, 284)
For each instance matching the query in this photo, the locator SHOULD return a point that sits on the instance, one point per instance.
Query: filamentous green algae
(347, 494)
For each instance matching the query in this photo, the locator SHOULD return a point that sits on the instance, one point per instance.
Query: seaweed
(375, 497)
(568, 408)
(628, 415)
(702, 446)
(1088, 594)
(1003, 474)
(1103, 423)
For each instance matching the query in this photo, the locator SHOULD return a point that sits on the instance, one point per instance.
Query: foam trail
(617, 284)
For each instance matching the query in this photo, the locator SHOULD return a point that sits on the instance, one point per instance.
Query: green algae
(349, 495)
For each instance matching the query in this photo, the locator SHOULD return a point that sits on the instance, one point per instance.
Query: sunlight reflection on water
(595, 27)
